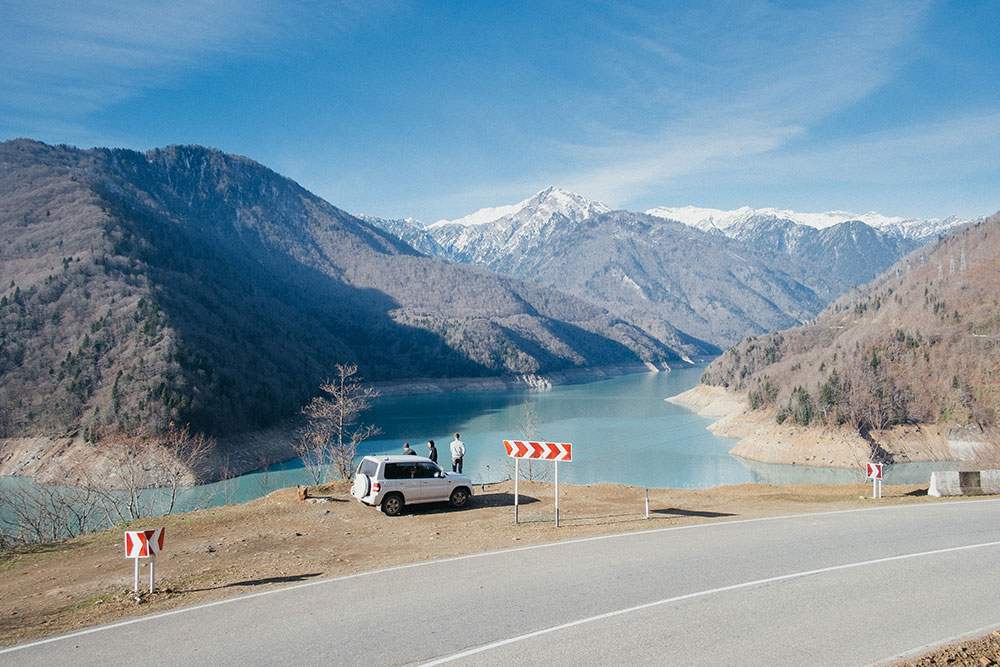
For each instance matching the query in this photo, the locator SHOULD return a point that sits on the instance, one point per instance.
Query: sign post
(517, 477)
(550, 451)
(557, 493)
(143, 544)
(875, 475)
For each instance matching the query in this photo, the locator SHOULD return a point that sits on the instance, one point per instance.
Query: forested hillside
(192, 286)
(919, 345)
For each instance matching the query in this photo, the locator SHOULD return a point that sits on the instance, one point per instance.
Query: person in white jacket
(457, 454)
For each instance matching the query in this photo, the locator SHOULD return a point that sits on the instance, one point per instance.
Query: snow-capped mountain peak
(545, 204)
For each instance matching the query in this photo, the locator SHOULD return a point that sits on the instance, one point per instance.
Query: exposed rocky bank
(760, 438)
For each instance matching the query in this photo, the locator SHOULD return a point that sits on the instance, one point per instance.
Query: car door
(433, 485)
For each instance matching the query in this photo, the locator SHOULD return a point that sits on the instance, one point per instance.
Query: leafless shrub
(40, 513)
(533, 471)
(142, 478)
(330, 439)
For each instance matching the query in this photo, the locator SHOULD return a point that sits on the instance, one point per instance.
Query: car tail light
(376, 487)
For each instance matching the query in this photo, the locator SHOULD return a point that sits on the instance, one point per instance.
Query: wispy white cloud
(740, 86)
(955, 147)
(64, 58)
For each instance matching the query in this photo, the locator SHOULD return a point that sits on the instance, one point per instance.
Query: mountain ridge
(919, 345)
(184, 285)
(797, 268)
(708, 219)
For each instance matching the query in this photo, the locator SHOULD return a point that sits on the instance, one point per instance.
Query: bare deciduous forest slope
(921, 344)
(187, 285)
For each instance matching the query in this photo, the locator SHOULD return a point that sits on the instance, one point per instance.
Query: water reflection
(902, 473)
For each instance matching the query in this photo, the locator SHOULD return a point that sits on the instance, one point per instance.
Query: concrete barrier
(974, 483)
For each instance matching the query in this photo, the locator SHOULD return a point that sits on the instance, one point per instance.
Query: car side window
(397, 471)
(426, 470)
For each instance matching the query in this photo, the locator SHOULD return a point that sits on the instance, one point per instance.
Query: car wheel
(392, 504)
(459, 497)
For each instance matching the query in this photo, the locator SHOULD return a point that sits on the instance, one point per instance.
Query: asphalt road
(841, 588)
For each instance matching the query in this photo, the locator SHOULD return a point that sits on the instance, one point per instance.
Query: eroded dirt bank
(761, 438)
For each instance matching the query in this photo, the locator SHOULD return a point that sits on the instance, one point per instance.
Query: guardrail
(974, 483)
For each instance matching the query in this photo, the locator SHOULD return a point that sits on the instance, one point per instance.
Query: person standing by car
(432, 454)
(457, 454)
(407, 450)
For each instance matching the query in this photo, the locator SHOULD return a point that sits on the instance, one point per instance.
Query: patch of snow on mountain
(703, 218)
(482, 216)
(710, 218)
(570, 205)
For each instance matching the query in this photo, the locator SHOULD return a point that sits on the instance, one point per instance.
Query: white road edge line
(941, 643)
(689, 596)
(485, 554)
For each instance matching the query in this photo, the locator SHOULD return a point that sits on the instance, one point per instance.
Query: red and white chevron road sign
(143, 543)
(874, 471)
(549, 451)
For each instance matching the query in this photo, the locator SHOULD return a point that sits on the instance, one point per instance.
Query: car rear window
(368, 467)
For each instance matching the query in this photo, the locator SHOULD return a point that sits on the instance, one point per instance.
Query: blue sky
(436, 109)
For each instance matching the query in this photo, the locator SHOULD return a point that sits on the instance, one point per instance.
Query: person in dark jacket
(407, 450)
(432, 454)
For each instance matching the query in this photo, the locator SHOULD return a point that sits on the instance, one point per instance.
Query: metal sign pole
(135, 581)
(517, 476)
(557, 494)
(647, 503)
(152, 562)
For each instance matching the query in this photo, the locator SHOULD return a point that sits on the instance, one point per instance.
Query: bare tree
(39, 513)
(264, 476)
(177, 459)
(330, 438)
(142, 478)
(122, 489)
(138, 466)
(527, 427)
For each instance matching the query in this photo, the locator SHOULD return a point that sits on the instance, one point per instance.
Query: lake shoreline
(762, 439)
(523, 381)
(69, 460)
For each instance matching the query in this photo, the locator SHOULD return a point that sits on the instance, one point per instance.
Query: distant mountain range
(718, 276)
(919, 345)
(730, 222)
(187, 285)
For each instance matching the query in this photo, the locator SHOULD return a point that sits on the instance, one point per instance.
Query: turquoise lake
(622, 431)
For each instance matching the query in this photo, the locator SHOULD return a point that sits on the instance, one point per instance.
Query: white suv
(394, 481)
